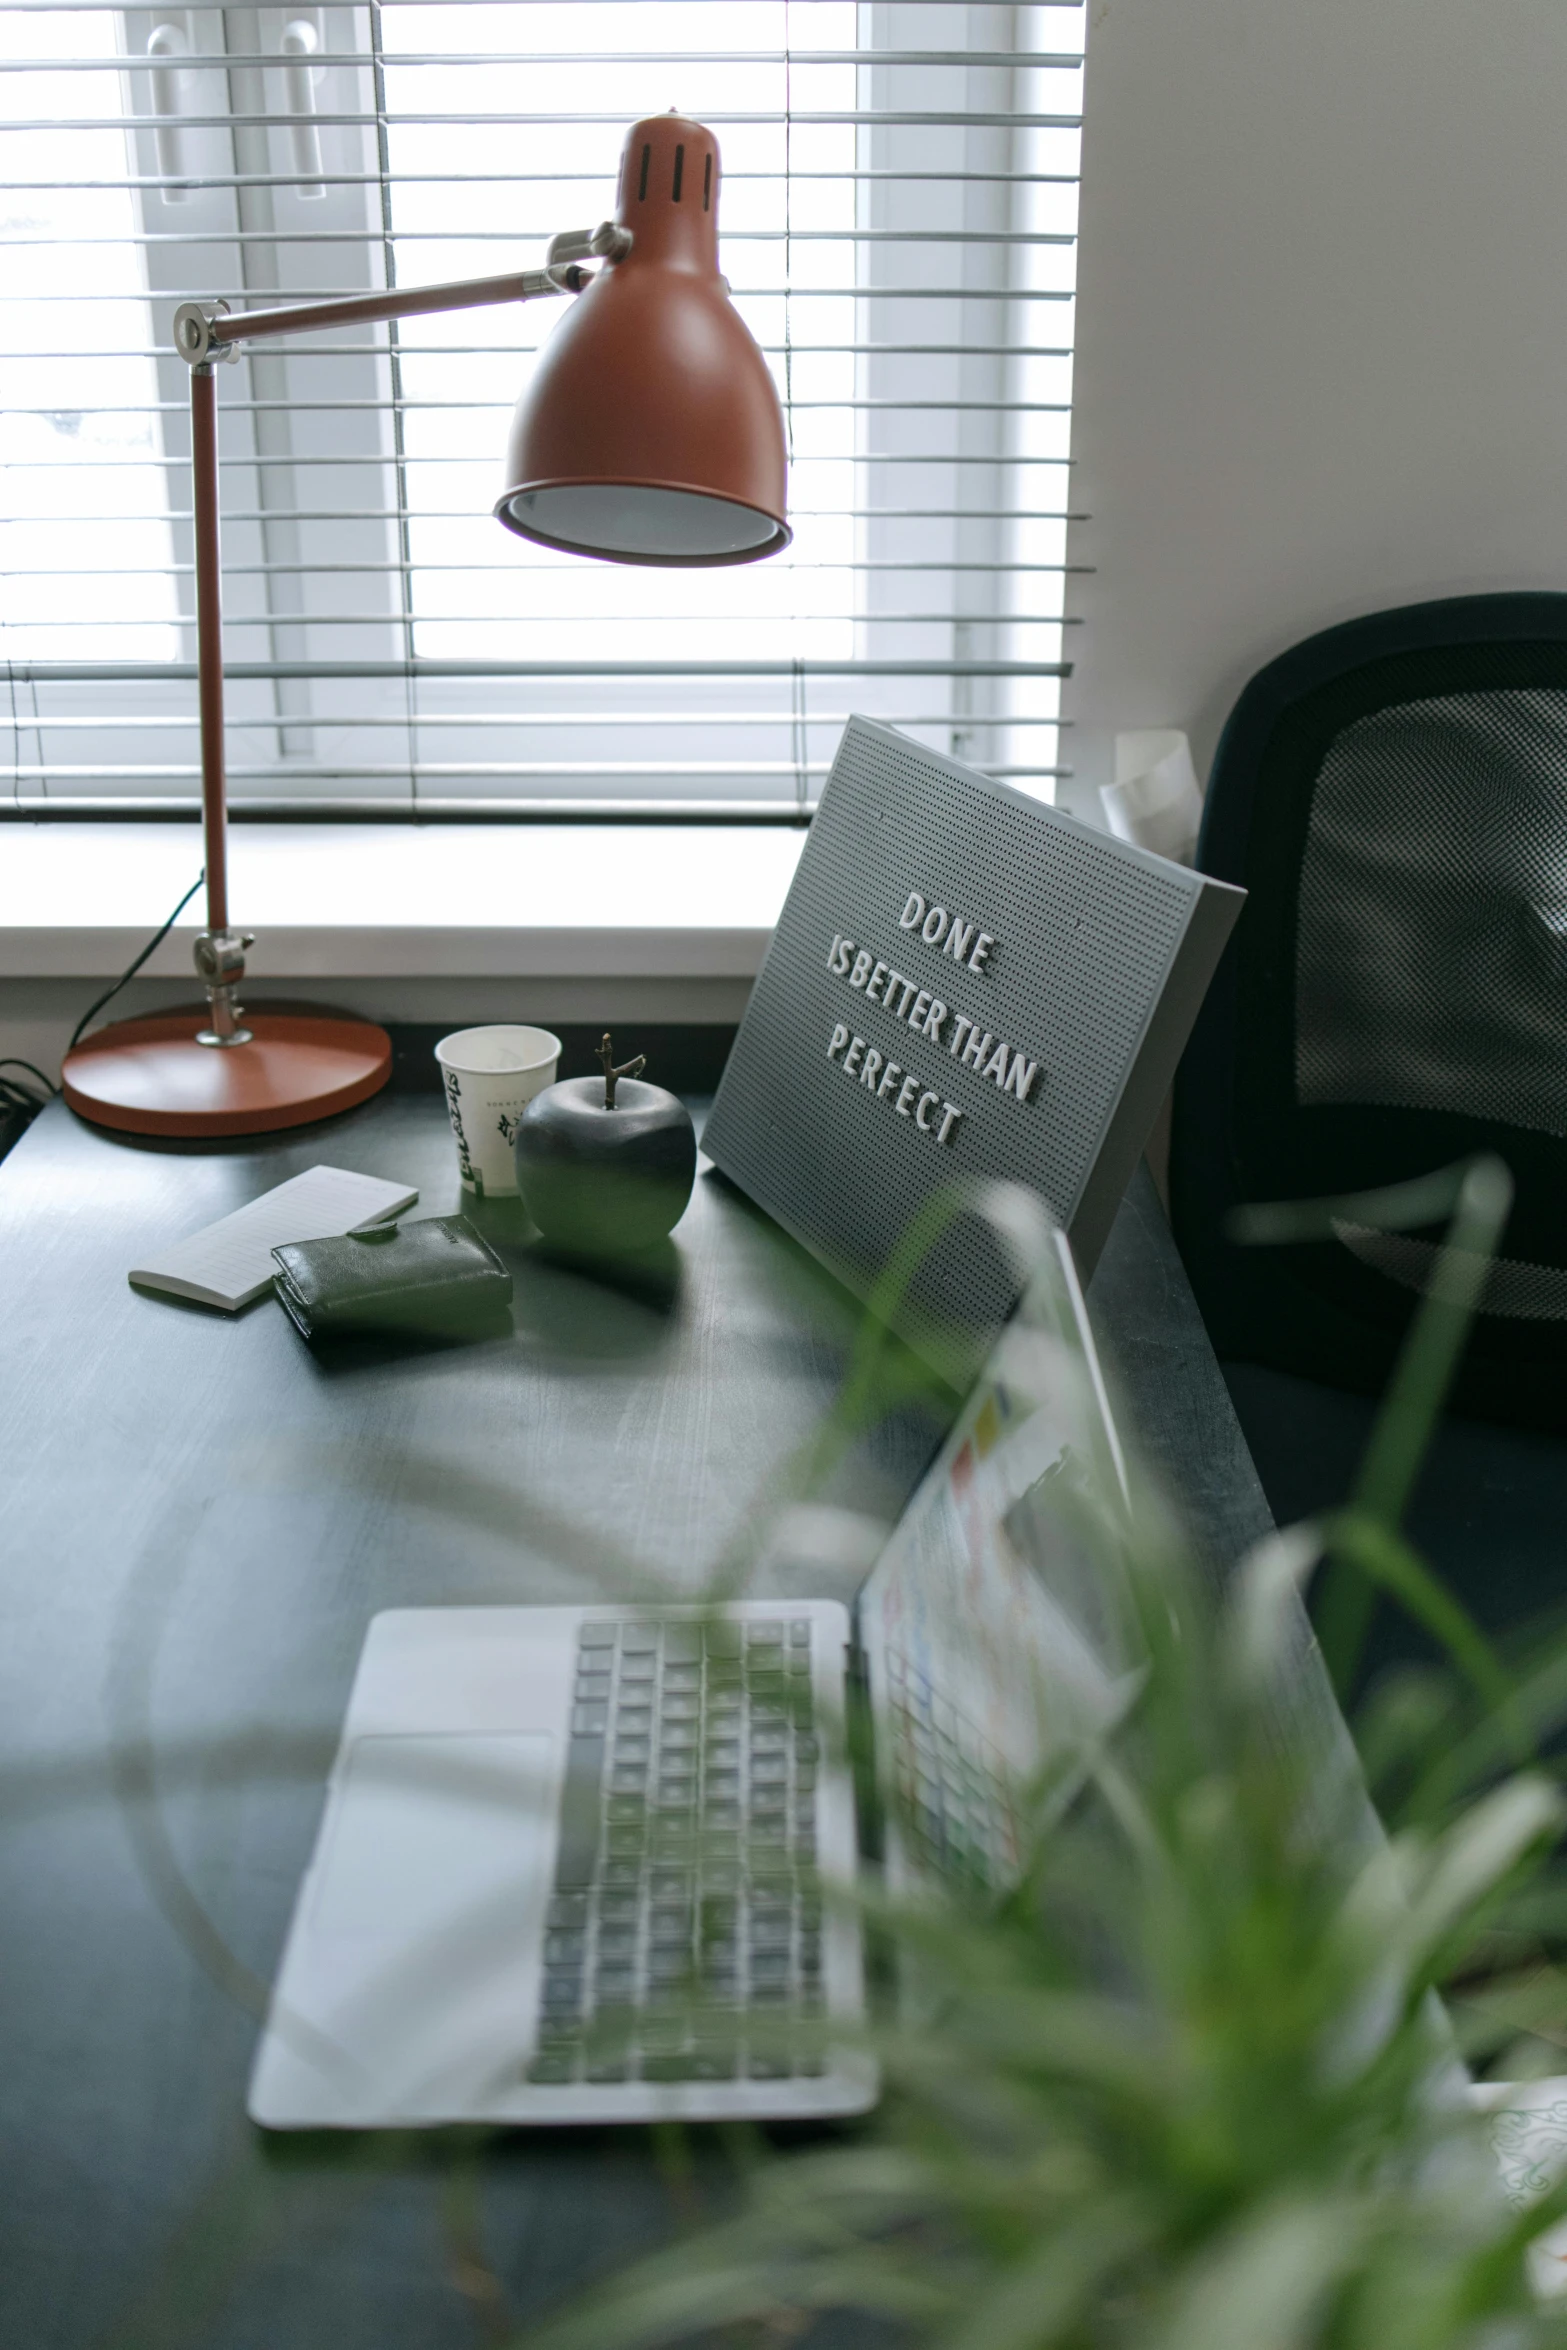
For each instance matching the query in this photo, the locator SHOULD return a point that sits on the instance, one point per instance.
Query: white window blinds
(896, 221)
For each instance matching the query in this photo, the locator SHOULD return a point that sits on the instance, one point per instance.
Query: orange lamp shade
(651, 431)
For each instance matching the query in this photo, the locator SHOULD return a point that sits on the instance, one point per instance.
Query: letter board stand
(964, 984)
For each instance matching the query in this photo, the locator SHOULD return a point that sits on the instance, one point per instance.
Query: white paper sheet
(230, 1262)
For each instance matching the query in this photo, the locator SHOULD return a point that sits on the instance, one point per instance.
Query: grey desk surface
(199, 1520)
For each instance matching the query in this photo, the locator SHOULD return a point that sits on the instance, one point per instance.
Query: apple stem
(612, 1075)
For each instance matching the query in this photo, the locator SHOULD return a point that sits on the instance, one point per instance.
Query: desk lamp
(651, 433)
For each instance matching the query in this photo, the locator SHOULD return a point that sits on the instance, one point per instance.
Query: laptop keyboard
(684, 1938)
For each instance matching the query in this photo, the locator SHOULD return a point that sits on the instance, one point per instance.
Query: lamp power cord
(128, 975)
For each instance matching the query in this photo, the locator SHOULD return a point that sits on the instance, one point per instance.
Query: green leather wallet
(436, 1278)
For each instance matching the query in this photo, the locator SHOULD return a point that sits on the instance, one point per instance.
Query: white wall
(1322, 334)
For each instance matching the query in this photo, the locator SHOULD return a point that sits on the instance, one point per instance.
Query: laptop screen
(993, 1631)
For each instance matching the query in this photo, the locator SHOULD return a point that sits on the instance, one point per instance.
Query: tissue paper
(1154, 800)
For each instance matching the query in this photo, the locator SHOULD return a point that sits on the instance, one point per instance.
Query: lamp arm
(202, 335)
(200, 332)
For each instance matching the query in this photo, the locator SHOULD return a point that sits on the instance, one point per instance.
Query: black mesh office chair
(1393, 794)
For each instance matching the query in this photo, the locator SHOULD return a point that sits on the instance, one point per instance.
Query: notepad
(230, 1262)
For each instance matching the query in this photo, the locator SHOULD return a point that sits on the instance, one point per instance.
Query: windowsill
(361, 902)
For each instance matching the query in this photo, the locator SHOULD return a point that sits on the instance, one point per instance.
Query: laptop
(594, 1864)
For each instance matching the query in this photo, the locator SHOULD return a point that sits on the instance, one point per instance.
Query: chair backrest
(1393, 796)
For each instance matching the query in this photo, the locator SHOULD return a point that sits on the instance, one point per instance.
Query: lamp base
(152, 1077)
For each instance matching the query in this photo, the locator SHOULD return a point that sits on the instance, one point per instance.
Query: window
(896, 215)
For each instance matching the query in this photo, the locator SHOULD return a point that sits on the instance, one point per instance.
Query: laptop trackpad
(436, 1835)
(422, 1940)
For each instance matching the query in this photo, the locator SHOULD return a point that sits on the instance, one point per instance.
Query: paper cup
(490, 1076)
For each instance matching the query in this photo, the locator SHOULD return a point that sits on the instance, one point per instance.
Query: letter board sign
(964, 984)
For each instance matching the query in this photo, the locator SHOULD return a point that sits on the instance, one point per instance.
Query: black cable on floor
(20, 1102)
(14, 1061)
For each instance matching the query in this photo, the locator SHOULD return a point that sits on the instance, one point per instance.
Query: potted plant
(1189, 2082)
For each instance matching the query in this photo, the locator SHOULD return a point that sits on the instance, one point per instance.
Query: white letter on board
(913, 911)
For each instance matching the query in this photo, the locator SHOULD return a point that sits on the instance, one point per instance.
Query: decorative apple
(605, 1165)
